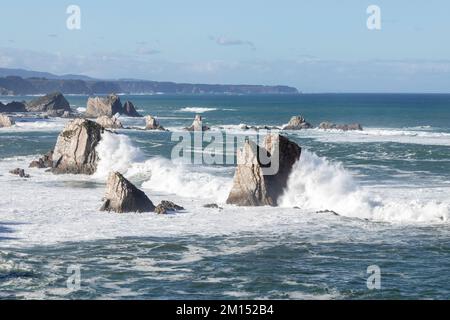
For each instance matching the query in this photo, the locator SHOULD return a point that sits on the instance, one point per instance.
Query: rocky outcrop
(54, 104)
(344, 127)
(166, 207)
(20, 172)
(107, 106)
(257, 128)
(197, 125)
(151, 123)
(297, 123)
(122, 196)
(75, 148)
(5, 121)
(253, 185)
(13, 107)
(130, 110)
(109, 122)
(45, 162)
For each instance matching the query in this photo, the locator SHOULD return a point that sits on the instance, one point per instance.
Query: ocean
(389, 185)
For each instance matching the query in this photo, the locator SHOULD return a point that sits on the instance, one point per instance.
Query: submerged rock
(197, 125)
(212, 206)
(109, 122)
(75, 148)
(107, 106)
(45, 162)
(20, 172)
(5, 121)
(166, 207)
(54, 104)
(122, 196)
(251, 186)
(297, 123)
(151, 123)
(344, 127)
(130, 110)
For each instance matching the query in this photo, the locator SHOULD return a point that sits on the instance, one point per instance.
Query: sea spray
(317, 184)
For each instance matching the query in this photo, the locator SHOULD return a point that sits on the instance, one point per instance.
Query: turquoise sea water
(390, 185)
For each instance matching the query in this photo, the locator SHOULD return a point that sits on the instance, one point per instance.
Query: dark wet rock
(253, 184)
(20, 172)
(344, 127)
(297, 123)
(197, 125)
(54, 104)
(212, 206)
(122, 196)
(75, 148)
(45, 162)
(130, 110)
(13, 107)
(328, 211)
(166, 207)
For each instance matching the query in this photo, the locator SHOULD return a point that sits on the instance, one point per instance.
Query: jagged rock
(54, 104)
(151, 123)
(107, 106)
(109, 122)
(75, 148)
(251, 186)
(166, 207)
(130, 110)
(197, 125)
(13, 107)
(20, 172)
(297, 123)
(256, 128)
(344, 127)
(122, 196)
(45, 162)
(5, 121)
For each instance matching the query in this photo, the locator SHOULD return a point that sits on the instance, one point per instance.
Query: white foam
(197, 109)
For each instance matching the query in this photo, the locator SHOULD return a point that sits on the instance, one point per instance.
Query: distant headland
(25, 82)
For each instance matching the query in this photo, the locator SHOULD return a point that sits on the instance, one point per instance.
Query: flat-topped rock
(297, 123)
(151, 123)
(5, 121)
(13, 107)
(75, 148)
(122, 196)
(54, 104)
(109, 122)
(197, 125)
(344, 127)
(253, 184)
(104, 106)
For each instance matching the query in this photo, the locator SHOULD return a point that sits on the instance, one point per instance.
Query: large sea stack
(106, 106)
(75, 148)
(54, 104)
(130, 110)
(122, 196)
(253, 184)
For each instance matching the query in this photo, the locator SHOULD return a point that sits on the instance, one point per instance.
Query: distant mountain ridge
(23, 82)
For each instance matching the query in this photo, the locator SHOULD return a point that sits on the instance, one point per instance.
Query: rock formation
(297, 123)
(122, 196)
(166, 207)
(107, 106)
(197, 125)
(75, 148)
(109, 122)
(45, 162)
(54, 104)
(252, 186)
(20, 172)
(13, 107)
(5, 121)
(130, 110)
(151, 123)
(344, 127)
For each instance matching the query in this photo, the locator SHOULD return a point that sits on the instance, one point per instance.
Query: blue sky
(316, 46)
